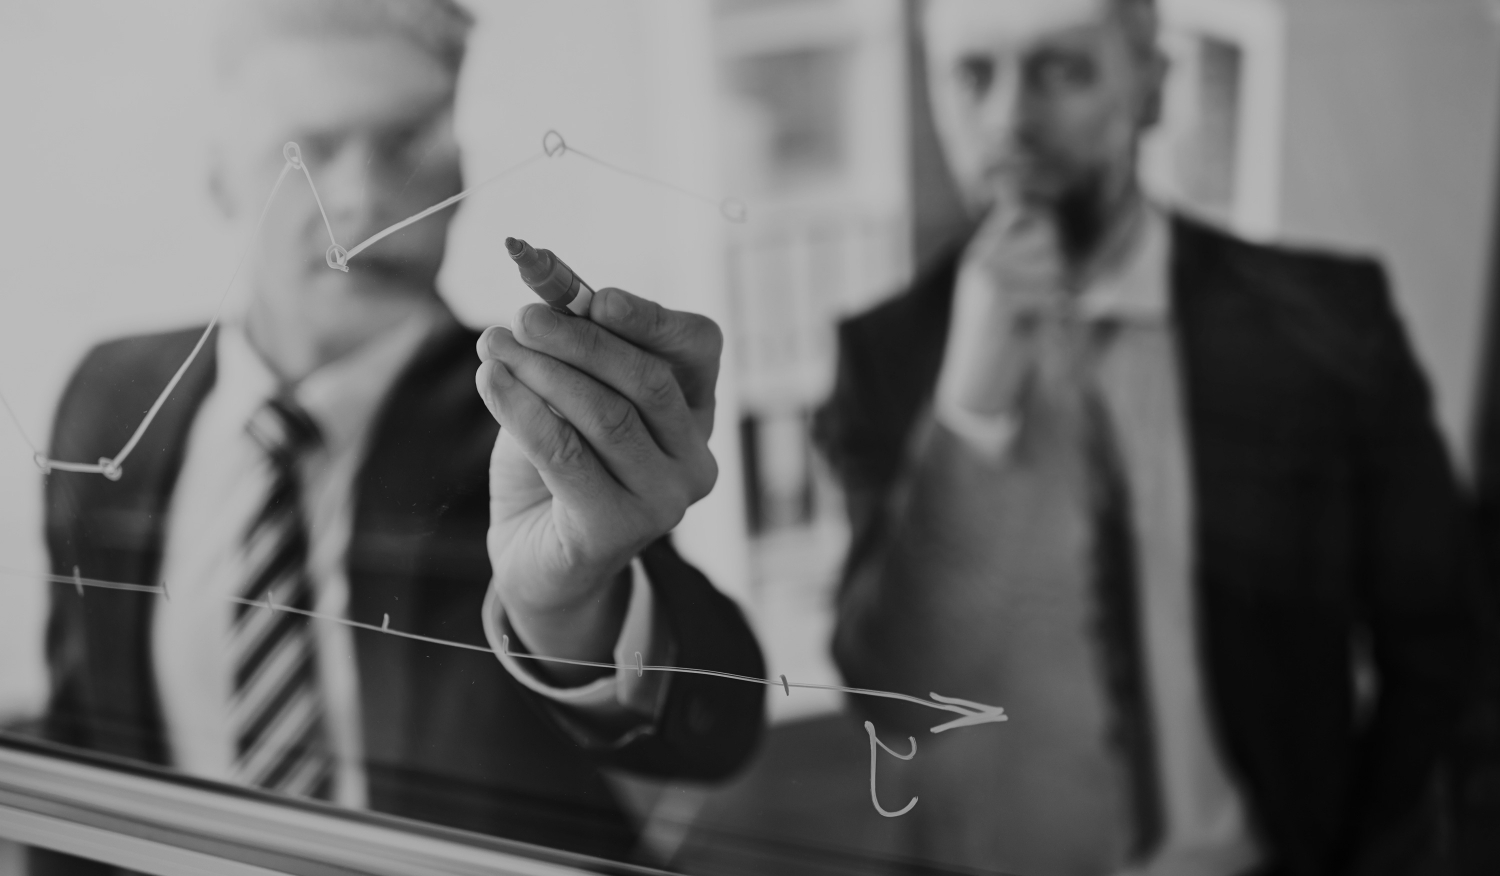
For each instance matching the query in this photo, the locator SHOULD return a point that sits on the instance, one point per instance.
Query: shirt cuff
(643, 641)
(989, 435)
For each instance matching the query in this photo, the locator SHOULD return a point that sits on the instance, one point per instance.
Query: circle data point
(338, 258)
(734, 210)
(293, 154)
(553, 143)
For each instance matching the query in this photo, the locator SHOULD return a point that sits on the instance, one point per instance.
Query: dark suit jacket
(449, 736)
(1327, 515)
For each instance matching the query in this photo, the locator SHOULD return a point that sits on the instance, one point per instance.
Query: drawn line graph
(554, 145)
(874, 741)
(971, 713)
(968, 713)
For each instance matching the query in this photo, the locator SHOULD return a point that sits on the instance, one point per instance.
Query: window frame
(150, 819)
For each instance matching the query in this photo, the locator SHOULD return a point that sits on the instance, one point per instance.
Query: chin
(1033, 189)
(375, 280)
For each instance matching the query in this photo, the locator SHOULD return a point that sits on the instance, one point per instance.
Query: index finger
(689, 342)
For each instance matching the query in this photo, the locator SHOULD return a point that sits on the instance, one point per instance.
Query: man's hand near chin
(603, 446)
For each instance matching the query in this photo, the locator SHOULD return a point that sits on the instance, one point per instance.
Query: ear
(1153, 86)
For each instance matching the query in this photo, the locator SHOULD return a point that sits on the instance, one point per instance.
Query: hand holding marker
(551, 278)
(565, 292)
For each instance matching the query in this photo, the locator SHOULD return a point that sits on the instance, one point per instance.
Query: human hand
(1012, 264)
(1018, 248)
(603, 446)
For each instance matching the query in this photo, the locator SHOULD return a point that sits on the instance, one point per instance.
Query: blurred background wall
(1390, 148)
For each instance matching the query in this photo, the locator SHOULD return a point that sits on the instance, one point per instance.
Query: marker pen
(551, 278)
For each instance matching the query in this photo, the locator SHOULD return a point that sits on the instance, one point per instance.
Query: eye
(397, 144)
(317, 149)
(1053, 71)
(976, 74)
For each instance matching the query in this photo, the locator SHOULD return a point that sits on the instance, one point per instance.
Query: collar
(1137, 287)
(341, 396)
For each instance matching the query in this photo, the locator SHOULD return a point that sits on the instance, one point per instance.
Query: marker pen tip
(515, 246)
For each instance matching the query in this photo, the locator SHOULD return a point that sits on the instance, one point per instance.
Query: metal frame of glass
(151, 820)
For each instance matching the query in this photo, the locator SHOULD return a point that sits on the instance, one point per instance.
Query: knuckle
(666, 514)
(697, 338)
(567, 450)
(709, 476)
(588, 339)
(703, 473)
(657, 386)
(616, 421)
(663, 325)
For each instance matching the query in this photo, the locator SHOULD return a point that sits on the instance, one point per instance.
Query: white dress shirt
(217, 491)
(1207, 826)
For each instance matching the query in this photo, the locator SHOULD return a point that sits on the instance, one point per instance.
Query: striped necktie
(276, 713)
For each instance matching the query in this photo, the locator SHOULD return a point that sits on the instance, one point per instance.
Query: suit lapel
(429, 437)
(1263, 432)
(903, 346)
(121, 533)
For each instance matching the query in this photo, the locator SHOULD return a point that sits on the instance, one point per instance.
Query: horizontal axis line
(972, 713)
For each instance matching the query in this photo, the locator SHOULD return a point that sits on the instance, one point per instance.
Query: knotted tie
(276, 713)
(1067, 350)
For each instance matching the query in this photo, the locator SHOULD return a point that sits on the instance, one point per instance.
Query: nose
(353, 191)
(1003, 111)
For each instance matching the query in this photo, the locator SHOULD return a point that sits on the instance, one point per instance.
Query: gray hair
(438, 27)
(1140, 18)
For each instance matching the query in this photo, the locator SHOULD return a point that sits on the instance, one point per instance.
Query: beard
(1083, 200)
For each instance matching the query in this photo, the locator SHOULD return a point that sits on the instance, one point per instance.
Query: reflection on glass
(1204, 137)
(267, 536)
(799, 96)
(285, 585)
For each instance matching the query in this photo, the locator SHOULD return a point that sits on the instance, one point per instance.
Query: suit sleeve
(1420, 591)
(706, 727)
(66, 637)
(880, 638)
(845, 432)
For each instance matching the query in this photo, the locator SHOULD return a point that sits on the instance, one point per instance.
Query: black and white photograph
(741, 437)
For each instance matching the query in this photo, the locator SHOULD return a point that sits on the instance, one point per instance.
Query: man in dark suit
(327, 451)
(1154, 489)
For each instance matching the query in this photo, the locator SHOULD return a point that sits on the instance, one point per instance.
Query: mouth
(373, 266)
(1011, 168)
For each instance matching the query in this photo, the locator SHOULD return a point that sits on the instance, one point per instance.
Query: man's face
(374, 119)
(1040, 100)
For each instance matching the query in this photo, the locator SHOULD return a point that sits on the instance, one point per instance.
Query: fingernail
(500, 375)
(491, 377)
(539, 320)
(494, 338)
(616, 305)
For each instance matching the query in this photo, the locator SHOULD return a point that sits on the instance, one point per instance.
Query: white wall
(104, 230)
(105, 227)
(1390, 148)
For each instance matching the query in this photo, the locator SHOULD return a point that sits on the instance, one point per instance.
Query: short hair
(1140, 18)
(438, 27)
